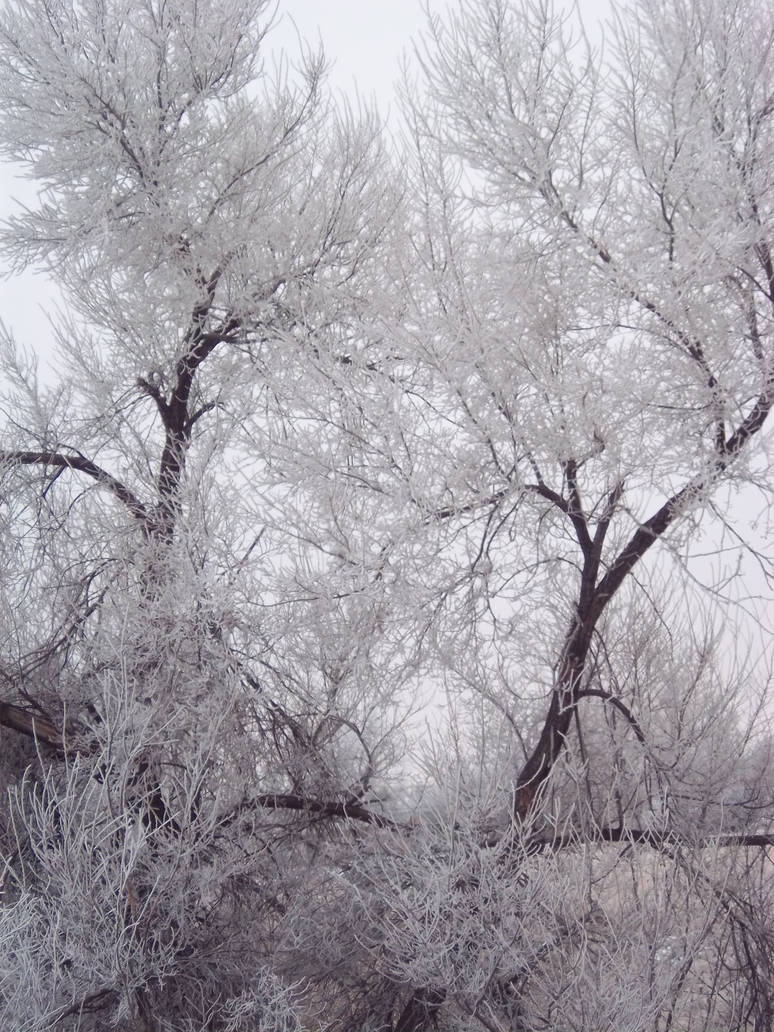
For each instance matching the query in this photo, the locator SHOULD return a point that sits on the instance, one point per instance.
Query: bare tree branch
(80, 465)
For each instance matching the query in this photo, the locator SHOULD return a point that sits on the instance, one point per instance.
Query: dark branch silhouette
(80, 465)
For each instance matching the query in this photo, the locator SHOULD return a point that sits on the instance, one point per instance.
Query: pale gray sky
(366, 38)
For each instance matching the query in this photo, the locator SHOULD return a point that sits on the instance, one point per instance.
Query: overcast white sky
(366, 38)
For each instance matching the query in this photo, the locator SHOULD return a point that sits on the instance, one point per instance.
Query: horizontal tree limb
(658, 839)
(348, 811)
(81, 465)
(43, 730)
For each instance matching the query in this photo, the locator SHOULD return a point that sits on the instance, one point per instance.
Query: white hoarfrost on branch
(379, 650)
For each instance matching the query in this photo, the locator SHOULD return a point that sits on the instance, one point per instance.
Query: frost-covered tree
(589, 308)
(328, 444)
(186, 672)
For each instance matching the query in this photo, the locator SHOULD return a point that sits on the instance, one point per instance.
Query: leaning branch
(31, 725)
(650, 531)
(348, 811)
(81, 465)
(612, 700)
(594, 598)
